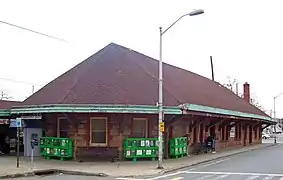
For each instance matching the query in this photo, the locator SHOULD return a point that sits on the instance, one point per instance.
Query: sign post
(19, 125)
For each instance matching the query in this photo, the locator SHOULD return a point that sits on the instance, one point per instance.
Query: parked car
(265, 136)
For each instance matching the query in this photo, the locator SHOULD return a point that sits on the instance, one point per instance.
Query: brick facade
(120, 126)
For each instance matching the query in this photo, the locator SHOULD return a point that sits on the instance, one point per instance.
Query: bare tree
(4, 95)
(231, 84)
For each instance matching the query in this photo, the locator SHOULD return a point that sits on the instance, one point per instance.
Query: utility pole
(274, 126)
(212, 69)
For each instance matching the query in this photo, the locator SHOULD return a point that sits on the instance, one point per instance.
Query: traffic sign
(162, 128)
(18, 122)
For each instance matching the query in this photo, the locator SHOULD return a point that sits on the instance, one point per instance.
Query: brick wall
(120, 126)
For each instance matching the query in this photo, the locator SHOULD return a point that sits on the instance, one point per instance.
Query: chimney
(247, 92)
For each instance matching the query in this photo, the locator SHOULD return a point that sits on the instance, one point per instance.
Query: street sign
(162, 126)
(18, 122)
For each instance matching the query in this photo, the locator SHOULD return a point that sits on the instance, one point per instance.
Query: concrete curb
(213, 159)
(47, 172)
(31, 173)
(58, 171)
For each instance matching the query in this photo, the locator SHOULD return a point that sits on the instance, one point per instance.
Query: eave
(92, 108)
(4, 112)
(187, 108)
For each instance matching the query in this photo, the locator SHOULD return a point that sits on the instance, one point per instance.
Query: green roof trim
(207, 109)
(146, 109)
(93, 108)
(4, 112)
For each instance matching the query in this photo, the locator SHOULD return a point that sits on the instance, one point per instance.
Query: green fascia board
(4, 112)
(207, 109)
(93, 108)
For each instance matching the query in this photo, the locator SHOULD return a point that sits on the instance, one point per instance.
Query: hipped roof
(119, 75)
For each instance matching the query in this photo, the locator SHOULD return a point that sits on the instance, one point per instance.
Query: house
(113, 94)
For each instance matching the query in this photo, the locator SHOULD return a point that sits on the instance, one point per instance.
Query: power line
(17, 81)
(36, 32)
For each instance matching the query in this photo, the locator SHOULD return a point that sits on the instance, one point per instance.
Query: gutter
(4, 112)
(231, 113)
(92, 108)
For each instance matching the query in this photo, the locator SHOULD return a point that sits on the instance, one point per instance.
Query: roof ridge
(148, 73)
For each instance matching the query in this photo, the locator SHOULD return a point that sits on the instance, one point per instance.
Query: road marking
(268, 177)
(177, 178)
(252, 177)
(210, 164)
(205, 177)
(129, 179)
(220, 177)
(233, 173)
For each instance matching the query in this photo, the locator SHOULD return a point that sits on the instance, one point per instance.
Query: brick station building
(113, 95)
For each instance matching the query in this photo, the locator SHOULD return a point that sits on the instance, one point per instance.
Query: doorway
(245, 134)
(250, 134)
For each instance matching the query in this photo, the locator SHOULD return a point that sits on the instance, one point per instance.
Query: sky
(243, 37)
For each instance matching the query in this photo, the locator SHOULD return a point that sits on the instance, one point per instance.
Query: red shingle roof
(6, 104)
(118, 75)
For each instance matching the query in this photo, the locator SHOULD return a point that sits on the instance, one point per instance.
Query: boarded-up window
(139, 128)
(98, 134)
(62, 127)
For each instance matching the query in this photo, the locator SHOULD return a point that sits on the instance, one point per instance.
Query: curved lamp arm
(193, 13)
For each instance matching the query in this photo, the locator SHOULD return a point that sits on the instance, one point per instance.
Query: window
(62, 127)
(139, 128)
(98, 131)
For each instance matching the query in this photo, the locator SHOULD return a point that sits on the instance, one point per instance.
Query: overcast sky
(244, 38)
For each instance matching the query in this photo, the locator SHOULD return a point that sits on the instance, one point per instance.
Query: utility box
(178, 147)
(141, 148)
(52, 147)
(29, 135)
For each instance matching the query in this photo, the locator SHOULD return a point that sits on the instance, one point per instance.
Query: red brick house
(113, 94)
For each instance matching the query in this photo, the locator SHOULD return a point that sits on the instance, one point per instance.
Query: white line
(210, 164)
(154, 178)
(267, 178)
(234, 173)
(205, 177)
(177, 178)
(166, 175)
(220, 177)
(252, 177)
(129, 179)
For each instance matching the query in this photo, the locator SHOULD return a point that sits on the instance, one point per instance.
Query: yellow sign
(162, 126)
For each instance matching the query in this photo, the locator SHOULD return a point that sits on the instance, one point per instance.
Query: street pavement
(261, 164)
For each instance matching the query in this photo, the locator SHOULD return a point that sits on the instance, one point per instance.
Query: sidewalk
(125, 169)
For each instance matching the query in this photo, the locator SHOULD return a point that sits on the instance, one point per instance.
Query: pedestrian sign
(18, 122)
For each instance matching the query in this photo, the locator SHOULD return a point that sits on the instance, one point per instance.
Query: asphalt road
(262, 164)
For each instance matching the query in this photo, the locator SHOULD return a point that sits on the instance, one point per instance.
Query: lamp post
(160, 87)
(274, 114)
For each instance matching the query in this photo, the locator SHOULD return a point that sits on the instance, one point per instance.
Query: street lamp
(274, 113)
(160, 84)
